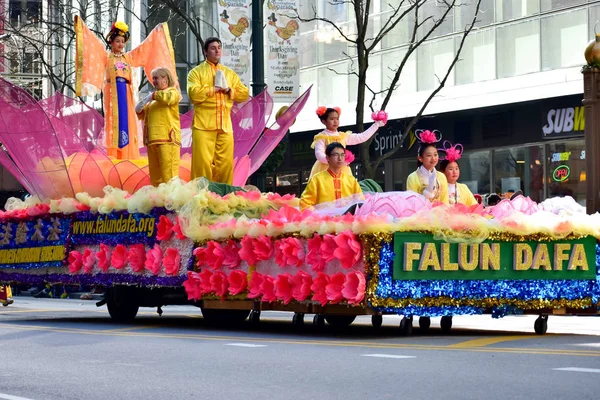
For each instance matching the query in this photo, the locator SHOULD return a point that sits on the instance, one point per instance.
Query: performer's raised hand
(140, 105)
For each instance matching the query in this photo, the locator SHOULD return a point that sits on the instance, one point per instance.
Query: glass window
(466, 9)
(477, 59)
(408, 77)
(594, 16)
(566, 170)
(307, 78)
(475, 171)
(563, 37)
(373, 76)
(434, 59)
(333, 87)
(548, 5)
(335, 11)
(432, 11)
(401, 33)
(512, 9)
(519, 169)
(305, 10)
(518, 49)
(308, 50)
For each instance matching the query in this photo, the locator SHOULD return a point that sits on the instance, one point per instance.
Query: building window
(563, 37)
(566, 170)
(466, 10)
(513, 9)
(24, 11)
(519, 169)
(401, 33)
(408, 77)
(477, 58)
(549, 5)
(518, 49)
(333, 86)
(434, 59)
(475, 171)
(433, 11)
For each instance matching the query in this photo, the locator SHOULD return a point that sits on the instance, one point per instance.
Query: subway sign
(563, 122)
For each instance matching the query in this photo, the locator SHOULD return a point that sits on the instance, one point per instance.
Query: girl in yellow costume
(330, 117)
(426, 180)
(112, 71)
(457, 192)
(5, 295)
(162, 130)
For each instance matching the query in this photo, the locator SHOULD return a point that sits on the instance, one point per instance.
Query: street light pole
(258, 55)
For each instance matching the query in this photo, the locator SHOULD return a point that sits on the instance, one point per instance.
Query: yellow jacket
(417, 183)
(326, 186)
(212, 111)
(161, 118)
(463, 195)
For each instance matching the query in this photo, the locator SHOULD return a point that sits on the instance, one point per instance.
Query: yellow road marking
(491, 340)
(13, 311)
(580, 353)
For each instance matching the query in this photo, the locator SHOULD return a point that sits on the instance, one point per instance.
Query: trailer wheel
(446, 323)
(424, 323)
(340, 321)
(377, 321)
(254, 317)
(218, 316)
(298, 319)
(319, 320)
(541, 324)
(406, 326)
(122, 303)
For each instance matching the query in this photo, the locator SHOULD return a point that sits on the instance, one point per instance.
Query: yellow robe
(326, 186)
(418, 183)
(96, 69)
(162, 134)
(212, 132)
(463, 195)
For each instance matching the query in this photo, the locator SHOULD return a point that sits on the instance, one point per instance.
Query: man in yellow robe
(331, 184)
(213, 88)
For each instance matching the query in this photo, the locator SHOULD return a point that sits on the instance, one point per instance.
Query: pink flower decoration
(205, 283)
(314, 257)
(267, 288)
(289, 251)
(354, 287)
(214, 255)
(301, 286)
(263, 248)
(318, 287)
(283, 288)
(232, 258)
(200, 254)
(177, 229)
(154, 259)
(277, 197)
(103, 257)
(349, 157)
(380, 116)
(119, 257)
(120, 65)
(219, 283)
(165, 228)
(428, 137)
(89, 259)
(251, 195)
(452, 154)
(238, 282)
(75, 262)
(334, 288)
(349, 250)
(137, 257)
(172, 261)
(192, 286)
(256, 280)
(247, 252)
(328, 248)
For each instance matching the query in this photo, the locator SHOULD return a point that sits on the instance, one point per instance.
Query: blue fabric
(123, 112)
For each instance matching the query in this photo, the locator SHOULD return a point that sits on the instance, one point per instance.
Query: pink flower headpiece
(380, 116)
(427, 136)
(322, 110)
(449, 152)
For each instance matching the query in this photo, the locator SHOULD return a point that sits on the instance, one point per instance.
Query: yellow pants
(163, 162)
(212, 155)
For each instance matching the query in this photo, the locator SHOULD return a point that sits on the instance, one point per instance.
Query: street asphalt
(69, 349)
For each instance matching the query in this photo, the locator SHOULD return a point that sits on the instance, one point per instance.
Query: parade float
(95, 221)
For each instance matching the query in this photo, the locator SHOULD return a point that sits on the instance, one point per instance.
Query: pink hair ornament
(452, 153)
(427, 136)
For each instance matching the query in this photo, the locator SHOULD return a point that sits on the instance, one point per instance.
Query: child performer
(162, 131)
(330, 117)
(112, 73)
(457, 192)
(426, 180)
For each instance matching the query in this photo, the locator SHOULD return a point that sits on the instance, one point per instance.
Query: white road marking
(245, 345)
(575, 369)
(10, 397)
(588, 344)
(387, 356)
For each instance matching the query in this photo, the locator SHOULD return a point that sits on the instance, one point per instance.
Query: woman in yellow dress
(162, 130)
(112, 72)
(457, 192)
(426, 180)
(330, 117)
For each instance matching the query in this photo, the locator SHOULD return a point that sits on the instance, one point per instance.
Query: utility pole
(258, 54)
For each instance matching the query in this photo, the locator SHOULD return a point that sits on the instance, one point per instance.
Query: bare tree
(364, 43)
